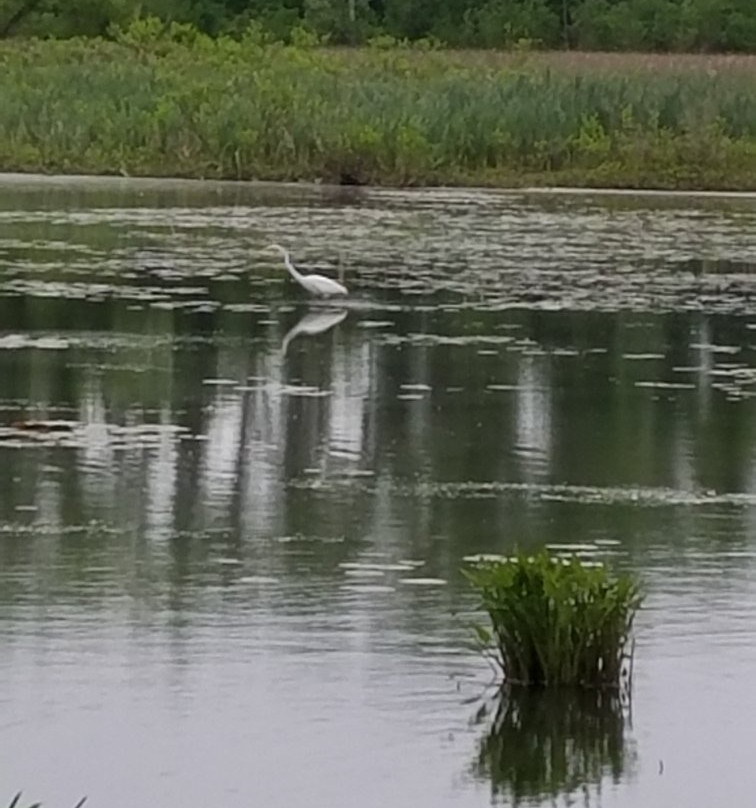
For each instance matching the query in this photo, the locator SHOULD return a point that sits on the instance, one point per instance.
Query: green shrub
(556, 621)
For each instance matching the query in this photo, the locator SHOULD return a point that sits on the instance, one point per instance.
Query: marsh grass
(173, 102)
(556, 621)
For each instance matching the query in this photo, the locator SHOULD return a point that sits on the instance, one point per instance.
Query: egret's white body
(317, 285)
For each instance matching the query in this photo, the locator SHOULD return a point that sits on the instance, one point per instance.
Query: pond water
(232, 521)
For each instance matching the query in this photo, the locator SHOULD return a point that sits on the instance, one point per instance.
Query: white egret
(317, 285)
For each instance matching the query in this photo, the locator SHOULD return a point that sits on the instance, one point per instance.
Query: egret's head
(278, 248)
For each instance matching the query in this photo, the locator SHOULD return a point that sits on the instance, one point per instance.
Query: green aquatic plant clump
(167, 100)
(556, 621)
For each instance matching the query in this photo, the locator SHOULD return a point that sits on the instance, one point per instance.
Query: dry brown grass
(585, 61)
(624, 62)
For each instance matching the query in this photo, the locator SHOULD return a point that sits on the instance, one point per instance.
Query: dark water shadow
(551, 744)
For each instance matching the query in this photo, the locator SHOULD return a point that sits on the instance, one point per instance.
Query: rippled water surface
(232, 521)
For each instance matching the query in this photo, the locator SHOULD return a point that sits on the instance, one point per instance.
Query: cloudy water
(232, 520)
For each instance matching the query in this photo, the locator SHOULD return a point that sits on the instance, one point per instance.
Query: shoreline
(33, 180)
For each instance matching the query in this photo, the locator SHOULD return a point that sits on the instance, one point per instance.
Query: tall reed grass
(179, 103)
(556, 621)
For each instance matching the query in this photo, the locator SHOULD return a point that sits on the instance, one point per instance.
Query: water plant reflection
(551, 743)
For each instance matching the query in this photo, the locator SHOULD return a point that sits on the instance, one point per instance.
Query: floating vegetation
(19, 341)
(550, 743)
(357, 565)
(457, 225)
(258, 579)
(76, 434)
(44, 426)
(367, 589)
(659, 385)
(567, 547)
(364, 573)
(300, 538)
(556, 621)
(646, 497)
(478, 558)
(306, 391)
(423, 581)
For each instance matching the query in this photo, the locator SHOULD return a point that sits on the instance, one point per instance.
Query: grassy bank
(185, 105)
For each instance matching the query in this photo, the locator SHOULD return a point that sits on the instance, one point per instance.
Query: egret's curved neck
(292, 269)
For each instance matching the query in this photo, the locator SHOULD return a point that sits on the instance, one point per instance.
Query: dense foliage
(701, 25)
(183, 104)
(556, 621)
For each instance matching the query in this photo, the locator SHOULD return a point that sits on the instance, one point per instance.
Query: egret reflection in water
(314, 323)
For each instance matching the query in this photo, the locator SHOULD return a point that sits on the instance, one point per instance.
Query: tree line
(641, 25)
